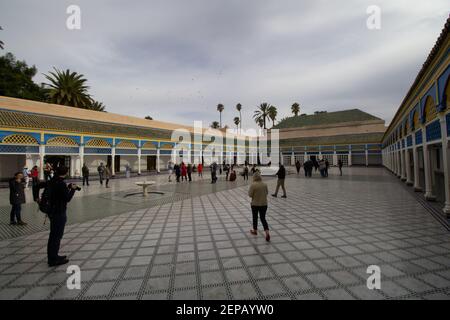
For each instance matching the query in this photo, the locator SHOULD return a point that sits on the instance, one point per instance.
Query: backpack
(44, 203)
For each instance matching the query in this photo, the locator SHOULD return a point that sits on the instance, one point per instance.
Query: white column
(367, 157)
(408, 168)
(402, 159)
(292, 158)
(335, 160)
(157, 159)
(139, 160)
(41, 160)
(113, 161)
(350, 158)
(427, 167)
(305, 156)
(445, 163)
(417, 187)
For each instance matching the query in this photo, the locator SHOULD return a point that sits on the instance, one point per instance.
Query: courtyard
(192, 241)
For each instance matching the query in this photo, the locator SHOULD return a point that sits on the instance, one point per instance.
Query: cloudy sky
(177, 59)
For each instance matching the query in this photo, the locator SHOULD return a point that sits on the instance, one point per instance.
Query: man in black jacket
(60, 194)
(281, 173)
(16, 198)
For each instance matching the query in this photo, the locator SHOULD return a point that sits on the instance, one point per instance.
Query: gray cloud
(176, 60)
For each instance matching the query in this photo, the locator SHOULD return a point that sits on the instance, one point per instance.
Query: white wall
(93, 161)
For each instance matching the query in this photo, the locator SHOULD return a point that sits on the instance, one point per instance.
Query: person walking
(226, 168)
(170, 170)
(177, 170)
(183, 171)
(308, 167)
(60, 194)
(327, 166)
(189, 172)
(298, 166)
(213, 172)
(35, 183)
(281, 173)
(340, 165)
(200, 170)
(85, 173)
(101, 172)
(16, 198)
(108, 175)
(254, 169)
(258, 192)
(245, 173)
(322, 168)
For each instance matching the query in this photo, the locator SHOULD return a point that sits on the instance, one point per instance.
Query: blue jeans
(15, 213)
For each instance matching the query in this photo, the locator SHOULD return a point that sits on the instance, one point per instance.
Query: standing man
(16, 198)
(85, 173)
(281, 173)
(189, 172)
(107, 174)
(340, 164)
(327, 166)
(60, 194)
(213, 172)
(35, 182)
(297, 166)
(170, 169)
(101, 172)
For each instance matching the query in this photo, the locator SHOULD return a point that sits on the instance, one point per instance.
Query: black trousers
(35, 189)
(57, 224)
(190, 176)
(85, 180)
(15, 213)
(261, 210)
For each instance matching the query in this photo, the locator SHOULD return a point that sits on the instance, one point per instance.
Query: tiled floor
(324, 236)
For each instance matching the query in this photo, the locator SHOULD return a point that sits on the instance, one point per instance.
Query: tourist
(327, 166)
(177, 171)
(127, 171)
(189, 172)
(308, 167)
(26, 176)
(101, 172)
(200, 170)
(16, 198)
(47, 171)
(108, 174)
(213, 172)
(258, 192)
(281, 173)
(298, 166)
(245, 173)
(232, 175)
(35, 182)
(170, 170)
(60, 195)
(254, 169)
(183, 171)
(227, 169)
(85, 173)
(340, 164)
(322, 168)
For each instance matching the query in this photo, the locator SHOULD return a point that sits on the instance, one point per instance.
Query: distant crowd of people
(322, 165)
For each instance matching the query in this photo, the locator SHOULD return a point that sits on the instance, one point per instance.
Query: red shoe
(253, 232)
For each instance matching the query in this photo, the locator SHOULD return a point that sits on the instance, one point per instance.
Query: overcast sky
(176, 60)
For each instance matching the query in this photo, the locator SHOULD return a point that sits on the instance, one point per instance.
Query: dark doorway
(58, 161)
(151, 163)
(116, 163)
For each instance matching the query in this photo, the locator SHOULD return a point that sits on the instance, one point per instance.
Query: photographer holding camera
(60, 194)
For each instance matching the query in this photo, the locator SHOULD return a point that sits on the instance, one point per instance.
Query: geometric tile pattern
(324, 235)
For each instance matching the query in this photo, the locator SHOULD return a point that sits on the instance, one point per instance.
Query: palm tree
(239, 108)
(262, 113)
(220, 108)
(295, 108)
(273, 112)
(215, 125)
(97, 106)
(260, 123)
(236, 121)
(148, 118)
(68, 88)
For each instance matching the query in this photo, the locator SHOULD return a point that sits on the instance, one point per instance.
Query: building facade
(416, 143)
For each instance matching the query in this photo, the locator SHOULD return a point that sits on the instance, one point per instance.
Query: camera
(77, 188)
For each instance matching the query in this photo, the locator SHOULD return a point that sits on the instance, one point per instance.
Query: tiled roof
(325, 118)
(23, 120)
(332, 140)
